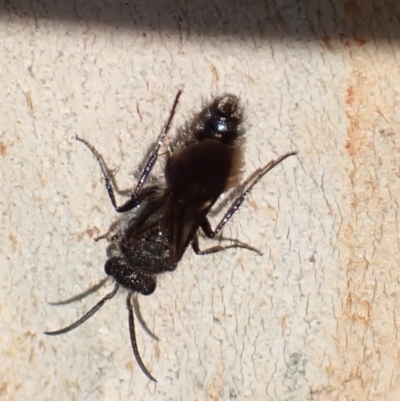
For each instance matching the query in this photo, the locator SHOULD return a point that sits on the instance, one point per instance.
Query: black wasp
(162, 219)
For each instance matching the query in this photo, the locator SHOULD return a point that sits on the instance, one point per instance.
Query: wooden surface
(317, 316)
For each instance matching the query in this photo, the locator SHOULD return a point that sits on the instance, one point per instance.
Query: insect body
(203, 161)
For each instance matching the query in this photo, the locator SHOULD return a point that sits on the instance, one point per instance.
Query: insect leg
(133, 338)
(108, 177)
(137, 196)
(154, 153)
(110, 181)
(249, 184)
(218, 248)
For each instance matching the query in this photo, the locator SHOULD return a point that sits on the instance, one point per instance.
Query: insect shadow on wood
(163, 217)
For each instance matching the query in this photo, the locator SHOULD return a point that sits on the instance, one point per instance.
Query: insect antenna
(138, 313)
(82, 295)
(86, 316)
(133, 338)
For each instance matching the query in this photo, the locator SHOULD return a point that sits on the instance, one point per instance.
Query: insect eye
(149, 288)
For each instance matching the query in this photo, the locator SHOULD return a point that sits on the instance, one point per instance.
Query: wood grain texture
(316, 317)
